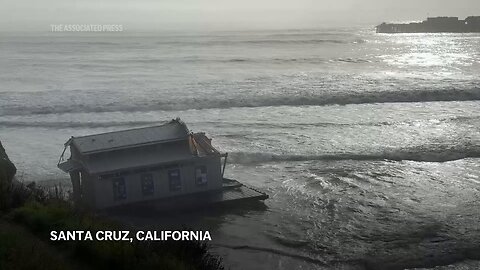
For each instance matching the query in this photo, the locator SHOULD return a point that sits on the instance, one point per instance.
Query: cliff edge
(7, 168)
(7, 172)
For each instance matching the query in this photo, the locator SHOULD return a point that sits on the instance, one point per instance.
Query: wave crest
(187, 103)
(400, 155)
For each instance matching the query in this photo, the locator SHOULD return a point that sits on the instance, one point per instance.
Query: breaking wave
(307, 60)
(239, 60)
(400, 155)
(187, 103)
(133, 123)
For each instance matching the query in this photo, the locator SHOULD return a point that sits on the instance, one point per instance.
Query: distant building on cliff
(434, 25)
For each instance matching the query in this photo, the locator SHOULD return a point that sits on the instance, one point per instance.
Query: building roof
(171, 131)
(136, 148)
(123, 160)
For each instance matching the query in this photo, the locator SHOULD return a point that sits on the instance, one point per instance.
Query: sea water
(368, 144)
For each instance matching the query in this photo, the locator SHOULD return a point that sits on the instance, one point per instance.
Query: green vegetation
(19, 249)
(29, 213)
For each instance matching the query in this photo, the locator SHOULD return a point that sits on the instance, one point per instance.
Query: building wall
(87, 189)
(104, 188)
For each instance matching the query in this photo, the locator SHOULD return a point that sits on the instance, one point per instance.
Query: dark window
(174, 180)
(147, 184)
(119, 189)
(201, 175)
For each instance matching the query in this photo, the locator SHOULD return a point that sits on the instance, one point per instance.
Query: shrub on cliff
(7, 172)
(42, 218)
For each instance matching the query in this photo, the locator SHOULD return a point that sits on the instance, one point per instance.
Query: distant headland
(434, 25)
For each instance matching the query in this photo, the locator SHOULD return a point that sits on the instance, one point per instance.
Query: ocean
(368, 144)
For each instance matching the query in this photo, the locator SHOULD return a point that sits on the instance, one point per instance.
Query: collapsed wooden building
(149, 164)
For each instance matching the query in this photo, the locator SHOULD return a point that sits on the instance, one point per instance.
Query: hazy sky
(222, 14)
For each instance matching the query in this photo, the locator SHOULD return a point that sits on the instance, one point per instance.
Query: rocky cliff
(7, 172)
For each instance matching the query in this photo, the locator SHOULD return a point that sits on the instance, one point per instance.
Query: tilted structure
(143, 164)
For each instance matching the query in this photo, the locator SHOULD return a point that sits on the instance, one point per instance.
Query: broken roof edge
(130, 145)
(176, 120)
(71, 140)
(199, 138)
(70, 165)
